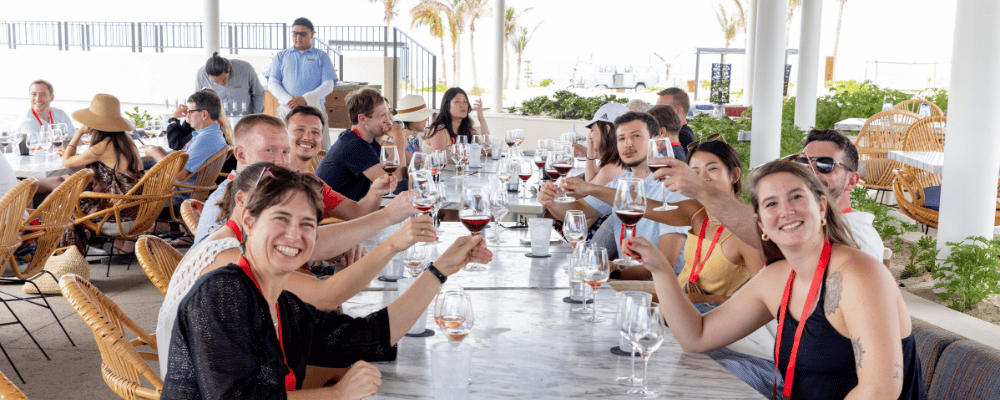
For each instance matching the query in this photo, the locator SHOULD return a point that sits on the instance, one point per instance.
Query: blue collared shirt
(647, 228)
(300, 72)
(204, 144)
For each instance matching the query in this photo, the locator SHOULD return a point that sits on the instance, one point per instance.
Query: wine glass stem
(645, 368)
(628, 235)
(593, 303)
(632, 375)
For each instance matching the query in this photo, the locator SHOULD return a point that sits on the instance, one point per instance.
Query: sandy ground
(923, 286)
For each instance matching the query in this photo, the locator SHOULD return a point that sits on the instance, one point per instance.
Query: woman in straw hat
(112, 154)
(412, 111)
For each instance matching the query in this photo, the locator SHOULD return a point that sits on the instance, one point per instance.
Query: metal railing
(334, 55)
(416, 71)
(162, 35)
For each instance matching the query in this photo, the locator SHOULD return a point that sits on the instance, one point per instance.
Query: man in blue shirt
(354, 162)
(302, 75)
(203, 114)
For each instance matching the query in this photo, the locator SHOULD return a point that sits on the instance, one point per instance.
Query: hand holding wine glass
(660, 148)
(474, 212)
(390, 159)
(629, 206)
(415, 259)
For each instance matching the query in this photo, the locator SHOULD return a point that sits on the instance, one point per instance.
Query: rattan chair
(880, 134)
(122, 364)
(911, 195)
(205, 177)
(314, 163)
(191, 213)
(148, 197)
(925, 135)
(12, 207)
(158, 259)
(9, 391)
(914, 107)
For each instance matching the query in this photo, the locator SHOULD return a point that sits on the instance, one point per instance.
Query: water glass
(628, 301)
(421, 324)
(540, 230)
(451, 369)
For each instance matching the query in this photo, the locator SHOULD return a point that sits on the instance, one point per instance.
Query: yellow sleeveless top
(720, 276)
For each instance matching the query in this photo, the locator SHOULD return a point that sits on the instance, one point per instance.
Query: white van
(622, 77)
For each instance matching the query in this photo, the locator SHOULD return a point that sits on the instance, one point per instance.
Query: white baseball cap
(608, 113)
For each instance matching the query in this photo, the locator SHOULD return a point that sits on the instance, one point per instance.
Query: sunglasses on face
(823, 165)
(302, 34)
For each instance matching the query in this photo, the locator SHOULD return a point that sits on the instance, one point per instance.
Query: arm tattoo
(834, 287)
(859, 352)
(898, 372)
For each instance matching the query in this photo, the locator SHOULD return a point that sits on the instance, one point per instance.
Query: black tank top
(825, 366)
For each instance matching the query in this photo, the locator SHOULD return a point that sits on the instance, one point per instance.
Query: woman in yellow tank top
(716, 263)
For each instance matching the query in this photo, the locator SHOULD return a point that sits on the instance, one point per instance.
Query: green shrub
(848, 99)
(139, 120)
(441, 88)
(923, 257)
(477, 91)
(889, 228)
(545, 82)
(565, 105)
(938, 96)
(970, 273)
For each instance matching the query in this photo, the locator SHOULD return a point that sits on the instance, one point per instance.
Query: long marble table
(44, 165)
(527, 344)
(931, 161)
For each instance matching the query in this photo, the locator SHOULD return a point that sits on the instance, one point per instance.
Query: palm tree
(426, 13)
(792, 6)
(519, 41)
(836, 40)
(728, 23)
(741, 20)
(475, 9)
(390, 12)
(511, 23)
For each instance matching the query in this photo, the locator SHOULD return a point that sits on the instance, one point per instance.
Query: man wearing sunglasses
(830, 155)
(301, 75)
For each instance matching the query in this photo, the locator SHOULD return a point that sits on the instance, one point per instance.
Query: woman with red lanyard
(454, 121)
(859, 340)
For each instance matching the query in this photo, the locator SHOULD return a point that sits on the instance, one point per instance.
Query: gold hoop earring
(822, 222)
(764, 237)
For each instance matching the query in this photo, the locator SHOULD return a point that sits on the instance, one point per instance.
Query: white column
(210, 27)
(499, 11)
(972, 151)
(769, 74)
(748, 58)
(805, 93)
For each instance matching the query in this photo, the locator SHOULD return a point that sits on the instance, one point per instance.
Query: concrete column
(769, 74)
(748, 58)
(499, 11)
(972, 153)
(211, 27)
(805, 92)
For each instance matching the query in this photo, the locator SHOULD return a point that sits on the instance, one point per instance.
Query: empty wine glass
(459, 155)
(423, 191)
(628, 303)
(389, 159)
(629, 206)
(415, 258)
(439, 160)
(593, 267)
(575, 227)
(419, 161)
(646, 333)
(487, 148)
(660, 148)
(16, 137)
(474, 212)
(498, 208)
(453, 314)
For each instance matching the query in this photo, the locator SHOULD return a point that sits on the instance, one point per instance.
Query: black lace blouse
(224, 345)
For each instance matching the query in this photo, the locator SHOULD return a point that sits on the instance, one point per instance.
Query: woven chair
(205, 177)
(913, 106)
(158, 259)
(122, 364)
(880, 134)
(148, 197)
(12, 207)
(314, 163)
(915, 202)
(9, 391)
(191, 213)
(925, 135)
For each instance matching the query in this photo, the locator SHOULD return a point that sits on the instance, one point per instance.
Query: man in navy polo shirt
(353, 162)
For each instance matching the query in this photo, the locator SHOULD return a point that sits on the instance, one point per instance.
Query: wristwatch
(441, 277)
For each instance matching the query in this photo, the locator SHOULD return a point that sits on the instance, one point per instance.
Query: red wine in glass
(552, 174)
(423, 205)
(654, 167)
(524, 177)
(540, 164)
(563, 169)
(630, 217)
(57, 143)
(389, 169)
(475, 223)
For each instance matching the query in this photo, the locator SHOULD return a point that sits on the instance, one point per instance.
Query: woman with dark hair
(860, 340)
(603, 162)
(454, 121)
(234, 80)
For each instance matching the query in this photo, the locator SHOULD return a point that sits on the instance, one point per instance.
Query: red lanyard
(846, 210)
(675, 143)
(696, 268)
(290, 378)
(824, 260)
(51, 121)
(236, 229)
(357, 133)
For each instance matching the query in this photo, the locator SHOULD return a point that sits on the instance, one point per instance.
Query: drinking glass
(58, 136)
(925, 111)
(439, 160)
(423, 191)
(506, 170)
(16, 138)
(498, 208)
(415, 258)
(629, 206)
(390, 159)
(593, 267)
(459, 153)
(524, 172)
(243, 109)
(509, 139)
(660, 148)
(628, 303)
(45, 138)
(4, 140)
(462, 139)
(442, 196)
(578, 289)
(575, 227)
(646, 333)
(453, 314)
(474, 212)
(85, 138)
(31, 140)
(420, 161)
(541, 155)
(562, 161)
(487, 143)
(887, 105)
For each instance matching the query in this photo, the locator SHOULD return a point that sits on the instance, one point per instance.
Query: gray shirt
(243, 86)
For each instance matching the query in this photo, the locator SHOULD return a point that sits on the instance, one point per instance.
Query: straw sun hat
(104, 114)
(412, 108)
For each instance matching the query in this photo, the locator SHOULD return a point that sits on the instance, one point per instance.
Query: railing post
(60, 34)
(66, 32)
(340, 58)
(13, 39)
(284, 35)
(395, 70)
(434, 81)
(137, 37)
(230, 39)
(160, 37)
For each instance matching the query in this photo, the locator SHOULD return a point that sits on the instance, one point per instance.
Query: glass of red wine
(541, 155)
(423, 191)
(524, 172)
(474, 212)
(390, 159)
(660, 148)
(562, 161)
(629, 206)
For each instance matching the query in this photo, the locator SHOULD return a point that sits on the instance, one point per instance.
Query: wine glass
(593, 267)
(439, 160)
(487, 143)
(504, 171)
(442, 196)
(459, 154)
(31, 141)
(518, 137)
(646, 333)
(628, 302)
(660, 148)
(423, 191)
(58, 136)
(524, 172)
(453, 313)
(562, 161)
(629, 206)
(4, 140)
(474, 212)
(389, 159)
(16, 138)
(462, 139)
(541, 155)
(499, 207)
(419, 161)
(509, 139)
(575, 227)
(414, 258)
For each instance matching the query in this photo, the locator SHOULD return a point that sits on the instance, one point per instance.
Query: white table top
(850, 124)
(527, 344)
(41, 164)
(931, 161)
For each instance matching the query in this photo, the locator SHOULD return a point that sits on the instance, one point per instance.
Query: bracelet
(441, 277)
(70, 145)
(591, 159)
